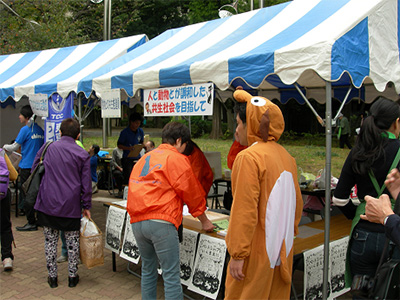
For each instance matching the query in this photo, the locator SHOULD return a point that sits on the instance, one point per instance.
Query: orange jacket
(159, 184)
(201, 169)
(233, 152)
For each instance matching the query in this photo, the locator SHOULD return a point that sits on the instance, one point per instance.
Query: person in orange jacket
(267, 205)
(160, 182)
(200, 165)
(236, 147)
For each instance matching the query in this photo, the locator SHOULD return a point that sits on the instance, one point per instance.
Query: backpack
(4, 175)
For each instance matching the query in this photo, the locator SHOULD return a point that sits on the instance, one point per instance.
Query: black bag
(386, 284)
(32, 184)
(228, 199)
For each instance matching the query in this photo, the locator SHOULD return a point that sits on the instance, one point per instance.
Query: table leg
(114, 263)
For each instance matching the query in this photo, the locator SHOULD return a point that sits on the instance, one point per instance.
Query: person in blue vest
(30, 138)
(128, 138)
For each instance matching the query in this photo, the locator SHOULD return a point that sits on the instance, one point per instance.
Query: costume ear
(264, 125)
(242, 96)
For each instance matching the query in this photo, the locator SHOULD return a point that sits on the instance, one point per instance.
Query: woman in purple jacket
(65, 189)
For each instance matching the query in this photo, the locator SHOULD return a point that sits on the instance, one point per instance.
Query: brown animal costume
(266, 209)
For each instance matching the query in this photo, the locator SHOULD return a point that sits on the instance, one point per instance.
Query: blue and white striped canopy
(304, 41)
(58, 70)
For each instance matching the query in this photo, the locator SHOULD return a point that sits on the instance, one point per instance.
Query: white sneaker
(7, 264)
(95, 190)
(62, 258)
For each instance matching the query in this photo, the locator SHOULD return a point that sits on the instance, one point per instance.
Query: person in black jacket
(372, 156)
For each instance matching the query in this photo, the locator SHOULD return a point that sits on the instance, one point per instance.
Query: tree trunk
(216, 131)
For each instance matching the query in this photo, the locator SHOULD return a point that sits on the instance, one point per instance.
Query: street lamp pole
(106, 37)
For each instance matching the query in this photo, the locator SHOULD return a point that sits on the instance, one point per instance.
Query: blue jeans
(366, 250)
(158, 242)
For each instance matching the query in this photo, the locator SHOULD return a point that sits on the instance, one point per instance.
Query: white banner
(189, 100)
(111, 104)
(39, 104)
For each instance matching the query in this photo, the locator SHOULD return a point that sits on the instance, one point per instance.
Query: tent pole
(343, 103)
(309, 104)
(80, 117)
(328, 149)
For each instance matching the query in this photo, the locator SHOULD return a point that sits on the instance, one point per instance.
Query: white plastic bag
(91, 228)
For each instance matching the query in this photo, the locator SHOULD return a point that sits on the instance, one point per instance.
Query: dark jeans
(127, 166)
(366, 250)
(29, 210)
(344, 139)
(6, 231)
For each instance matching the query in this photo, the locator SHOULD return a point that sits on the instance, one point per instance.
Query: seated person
(117, 170)
(93, 150)
(149, 146)
(128, 138)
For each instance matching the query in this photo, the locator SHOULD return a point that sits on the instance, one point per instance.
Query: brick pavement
(28, 280)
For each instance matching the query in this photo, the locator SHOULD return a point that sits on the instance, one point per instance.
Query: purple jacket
(66, 184)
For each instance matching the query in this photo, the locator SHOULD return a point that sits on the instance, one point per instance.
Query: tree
(57, 19)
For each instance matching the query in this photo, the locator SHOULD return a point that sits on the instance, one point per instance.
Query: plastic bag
(88, 227)
(319, 182)
(306, 179)
(91, 244)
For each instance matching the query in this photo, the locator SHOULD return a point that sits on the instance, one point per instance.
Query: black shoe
(73, 281)
(21, 212)
(27, 227)
(52, 281)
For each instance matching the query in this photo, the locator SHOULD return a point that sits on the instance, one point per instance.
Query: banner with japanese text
(59, 109)
(111, 104)
(189, 100)
(39, 104)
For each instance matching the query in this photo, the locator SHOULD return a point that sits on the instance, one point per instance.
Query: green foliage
(198, 126)
(310, 158)
(293, 138)
(59, 25)
(151, 17)
(74, 22)
(200, 10)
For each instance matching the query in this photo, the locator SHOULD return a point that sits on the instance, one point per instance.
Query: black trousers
(127, 166)
(23, 176)
(344, 139)
(6, 231)
(29, 210)
(119, 179)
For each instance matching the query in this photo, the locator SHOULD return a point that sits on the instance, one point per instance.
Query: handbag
(91, 244)
(32, 184)
(386, 283)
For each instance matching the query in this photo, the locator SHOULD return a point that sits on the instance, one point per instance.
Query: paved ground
(28, 280)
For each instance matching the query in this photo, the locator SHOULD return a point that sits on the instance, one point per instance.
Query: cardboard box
(190, 221)
(214, 159)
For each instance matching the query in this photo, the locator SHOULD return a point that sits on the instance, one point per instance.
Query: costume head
(264, 119)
